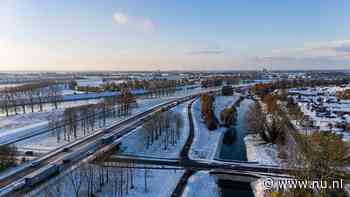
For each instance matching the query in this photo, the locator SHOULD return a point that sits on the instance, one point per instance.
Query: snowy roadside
(161, 182)
(48, 141)
(23, 125)
(133, 144)
(205, 146)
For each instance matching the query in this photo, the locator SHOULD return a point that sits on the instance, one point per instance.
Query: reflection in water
(236, 151)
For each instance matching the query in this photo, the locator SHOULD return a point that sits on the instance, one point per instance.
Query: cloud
(136, 23)
(120, 18)
(324, 54)
(343, 48)
(148, 25)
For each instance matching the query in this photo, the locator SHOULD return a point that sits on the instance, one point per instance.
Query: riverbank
(206, 143)
(259, 151)
(205, 146)
(236, 151)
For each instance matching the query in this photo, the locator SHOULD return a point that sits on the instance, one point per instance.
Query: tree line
(88, 117)
(15, 99)
(265, 88)
(220, 80)
(267, 120)
(152, 88)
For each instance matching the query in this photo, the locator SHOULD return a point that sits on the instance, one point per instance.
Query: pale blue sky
(158, 34)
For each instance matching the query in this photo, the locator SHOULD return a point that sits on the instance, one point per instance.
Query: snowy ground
(205, 142)
(8, 125)
(48, 141)
(159, 182)
(323, 122)
(15, 127)
(259, 151)
(133, 143)
(204, 147)
(201, 184)
(156, 178)
(71, 92)
(162, 182)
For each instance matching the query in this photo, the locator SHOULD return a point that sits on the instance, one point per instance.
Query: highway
(118, 130)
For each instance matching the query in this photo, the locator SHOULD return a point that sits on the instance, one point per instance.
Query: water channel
(236, 151)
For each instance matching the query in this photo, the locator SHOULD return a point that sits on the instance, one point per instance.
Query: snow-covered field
(90, 81)
(159, 183)
(15, 127)
(134, 145)
(48, 141)
(162, 182)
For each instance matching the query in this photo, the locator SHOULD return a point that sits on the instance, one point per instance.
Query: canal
(236, 151)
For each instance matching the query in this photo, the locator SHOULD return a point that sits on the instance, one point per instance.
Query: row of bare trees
(164, 127)
(93, 180)
(270, 125)
(159, 88)
(220, 80)
(17, 98)
(144, 84)
(87, 117)
(152, 88)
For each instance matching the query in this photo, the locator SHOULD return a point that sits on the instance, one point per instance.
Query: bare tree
(75, 178)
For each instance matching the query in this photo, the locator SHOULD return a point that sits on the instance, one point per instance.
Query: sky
(174, 34)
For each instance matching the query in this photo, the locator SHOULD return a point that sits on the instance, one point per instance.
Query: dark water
(236, 151)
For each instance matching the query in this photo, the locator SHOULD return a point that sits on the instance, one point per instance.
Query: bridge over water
(228, 170)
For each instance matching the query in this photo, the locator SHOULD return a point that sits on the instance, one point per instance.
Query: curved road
(184, 154)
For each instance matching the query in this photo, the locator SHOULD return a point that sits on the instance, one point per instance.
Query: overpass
(215, 167)
(239, 171)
